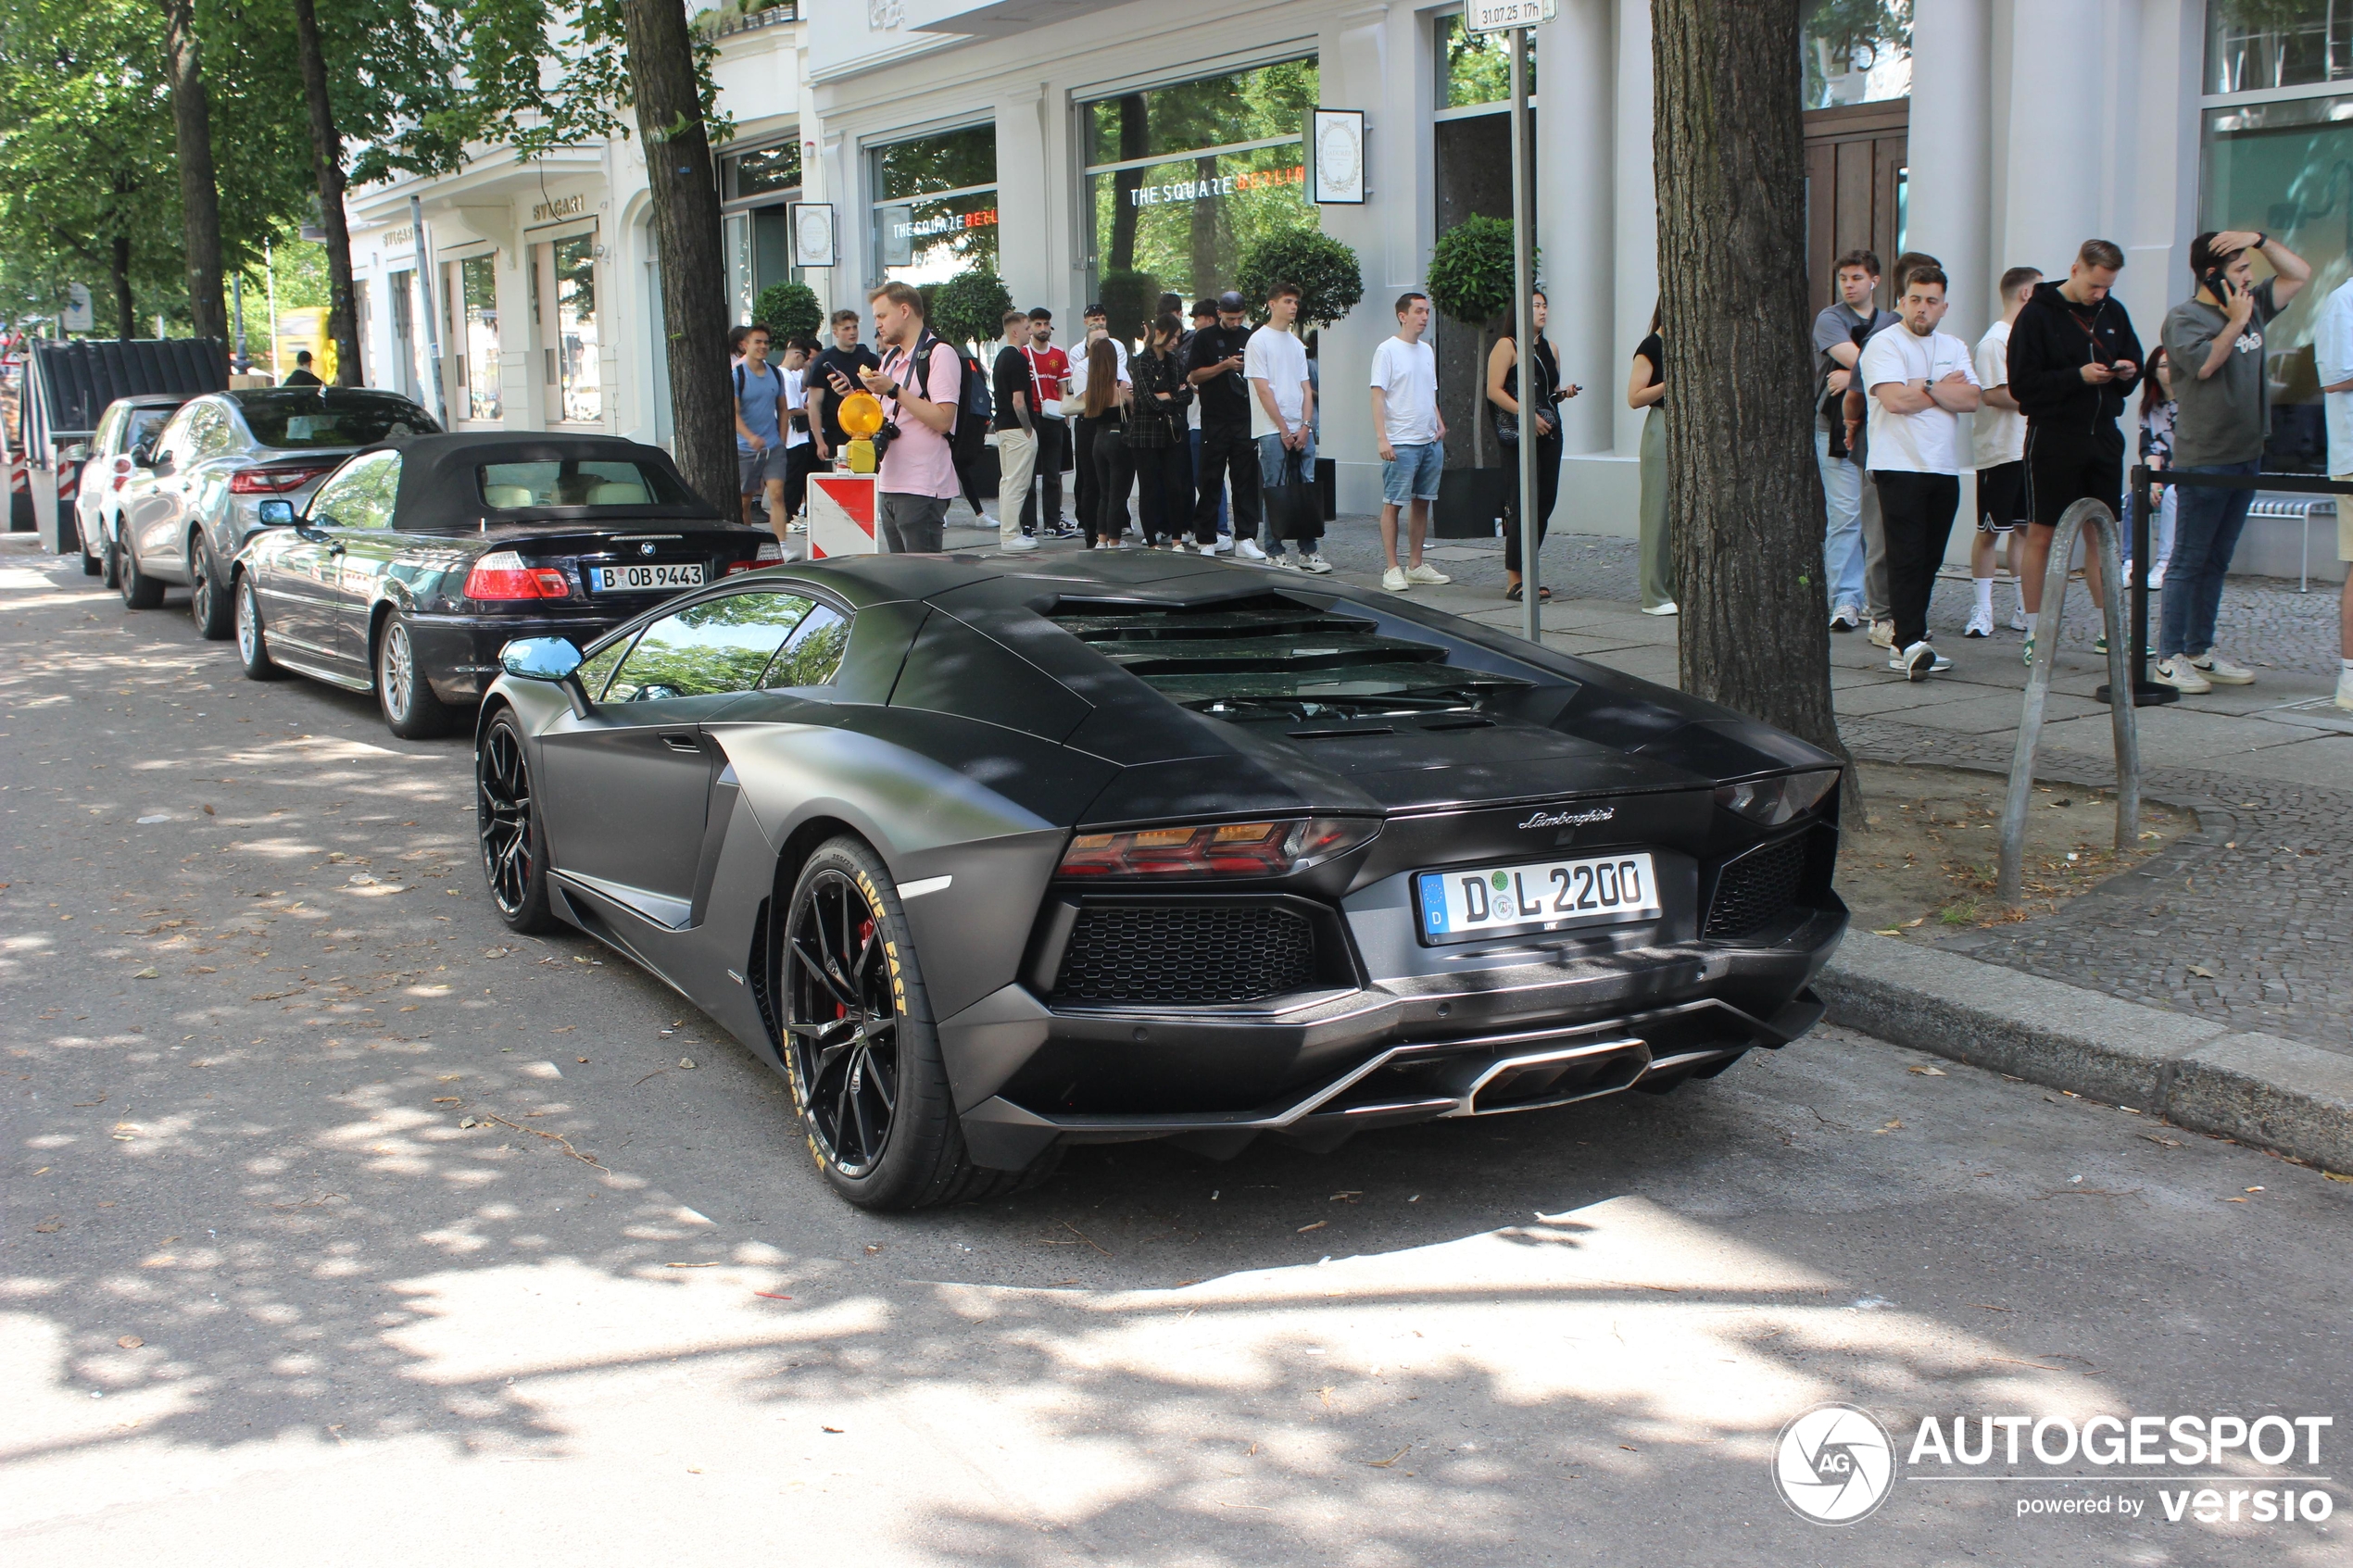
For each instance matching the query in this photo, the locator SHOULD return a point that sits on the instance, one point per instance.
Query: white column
(1024, 199)
(1635, 222)
(1351, 73)
(1577, 193)
(1950, 161)
(2056, 146)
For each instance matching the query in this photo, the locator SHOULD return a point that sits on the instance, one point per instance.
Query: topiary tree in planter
(1127, 298)
(1470, 280)
(790, 309)
(969, 309)
(1328, 279)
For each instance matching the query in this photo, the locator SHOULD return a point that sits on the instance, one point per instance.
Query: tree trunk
(199, 190)
(119, 264)
(1743, 494)
(1133, 137)
(326, 155)
(685, 210)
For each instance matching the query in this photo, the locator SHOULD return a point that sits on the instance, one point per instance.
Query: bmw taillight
(1216, 849)
(770, 554)
(502, 574)
(273, 481)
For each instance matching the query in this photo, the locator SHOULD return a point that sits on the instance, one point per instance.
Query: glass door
(564, 290)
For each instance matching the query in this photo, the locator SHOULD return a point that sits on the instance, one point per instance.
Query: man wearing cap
(1214, 367)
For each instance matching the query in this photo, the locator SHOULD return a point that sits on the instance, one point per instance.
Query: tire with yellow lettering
(864, 1060)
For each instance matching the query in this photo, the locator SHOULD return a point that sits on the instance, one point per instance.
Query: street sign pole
(1524, 343)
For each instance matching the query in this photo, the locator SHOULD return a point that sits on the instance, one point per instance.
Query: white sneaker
(1248, 549)
(1941, 664)
(1017, 544)
(2157, 577)
(1845, 618)
(2180, 674)
(2018, 621)
(1981, 622)
(1670, 607)
(1218, 546)
(1286, 562)
(1395, 580)
(1312, 560)
(2222, 671)
(1425, 574)
(1916, 661)
(2345, 690)
(1883, 634)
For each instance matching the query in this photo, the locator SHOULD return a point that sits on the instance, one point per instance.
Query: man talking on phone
(2215, 340)
(1214, 367)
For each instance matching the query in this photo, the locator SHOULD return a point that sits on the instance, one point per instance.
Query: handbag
(1292, 509)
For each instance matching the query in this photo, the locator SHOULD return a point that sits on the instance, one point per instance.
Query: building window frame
(870, 159)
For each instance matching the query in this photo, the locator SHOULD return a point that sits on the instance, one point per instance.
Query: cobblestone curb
(2257, 1088)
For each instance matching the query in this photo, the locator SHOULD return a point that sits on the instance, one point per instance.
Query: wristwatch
(2262, 239)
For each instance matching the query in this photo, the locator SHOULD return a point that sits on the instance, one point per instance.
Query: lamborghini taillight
(1214, 849)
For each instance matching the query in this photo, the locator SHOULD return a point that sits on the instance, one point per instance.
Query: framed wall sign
(1336, 143)
(814, 242)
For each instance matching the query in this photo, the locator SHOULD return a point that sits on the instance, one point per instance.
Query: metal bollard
(2123, 661)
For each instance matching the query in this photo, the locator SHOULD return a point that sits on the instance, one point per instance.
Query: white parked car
(107, 466)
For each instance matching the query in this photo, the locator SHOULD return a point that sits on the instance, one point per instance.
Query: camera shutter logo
(1835, 1464)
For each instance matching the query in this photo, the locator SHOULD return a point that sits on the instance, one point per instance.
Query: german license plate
(648, 578)
(1547, 893)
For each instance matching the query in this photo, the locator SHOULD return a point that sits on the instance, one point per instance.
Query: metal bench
(2298, 510)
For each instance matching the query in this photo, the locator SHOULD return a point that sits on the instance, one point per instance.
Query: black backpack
(974, 408)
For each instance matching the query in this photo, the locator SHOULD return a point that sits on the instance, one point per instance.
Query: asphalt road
(266, 1297)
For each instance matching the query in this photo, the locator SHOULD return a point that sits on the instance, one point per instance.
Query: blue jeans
(1271, 458)
(2206, 524)
(1842, 538)
(1192, 441)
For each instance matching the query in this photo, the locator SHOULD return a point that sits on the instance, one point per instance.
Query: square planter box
(1472, 503)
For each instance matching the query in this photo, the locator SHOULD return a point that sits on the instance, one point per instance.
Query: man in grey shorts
(759, 442)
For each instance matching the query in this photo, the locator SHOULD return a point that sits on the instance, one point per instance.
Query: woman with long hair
(2157, 452)
(1646, 388)
(1156, 429)
(1545, 395)
(1106, 414)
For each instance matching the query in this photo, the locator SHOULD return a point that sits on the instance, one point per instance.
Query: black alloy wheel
(213, 610)
(843, 1024)
(859, 1049)
(91, 565)
(110, 564)
(507, 819)
(252, 642)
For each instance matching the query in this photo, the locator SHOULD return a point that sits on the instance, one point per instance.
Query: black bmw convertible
(419, 560)
(991, 857)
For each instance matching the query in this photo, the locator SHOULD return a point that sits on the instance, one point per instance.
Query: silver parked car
(107, 469)
(197, 494)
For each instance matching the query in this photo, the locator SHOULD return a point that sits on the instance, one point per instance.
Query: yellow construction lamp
(861, 415)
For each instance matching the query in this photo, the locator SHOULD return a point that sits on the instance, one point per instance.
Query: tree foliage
(969, 309)
(1324, 269)
(555, 73)
(790, 309)
(1470, 270)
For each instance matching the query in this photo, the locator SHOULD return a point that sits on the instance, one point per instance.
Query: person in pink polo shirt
(919, 399)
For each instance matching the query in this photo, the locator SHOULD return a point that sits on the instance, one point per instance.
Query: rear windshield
(513, 487)
(300, 422)
(1274, 656)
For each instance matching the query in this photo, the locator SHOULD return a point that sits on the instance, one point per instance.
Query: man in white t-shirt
(1999, 447)
(1918, 381)
(1282, 417)
(2332, 357)
(1412, 437)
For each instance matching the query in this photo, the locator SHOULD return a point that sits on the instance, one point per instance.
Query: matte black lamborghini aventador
(990, 856)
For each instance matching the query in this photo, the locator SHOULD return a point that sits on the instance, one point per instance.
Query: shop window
(935, 212)
(580, 397)
(1475, 69)
(476, 292)
(2286, 169)
(2252, 45)
(1183, 180)
(1857, 52)
(769, 171)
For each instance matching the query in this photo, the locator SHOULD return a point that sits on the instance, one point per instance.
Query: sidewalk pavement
(2213, 984)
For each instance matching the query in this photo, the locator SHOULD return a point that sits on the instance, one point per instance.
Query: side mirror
(77, 453)
(143, 454)
(161, 462)
(276, 513)
(549, 659)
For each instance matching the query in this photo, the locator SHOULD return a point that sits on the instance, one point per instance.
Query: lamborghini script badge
(1570, 818)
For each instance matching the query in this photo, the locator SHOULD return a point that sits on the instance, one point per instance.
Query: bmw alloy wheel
(396, 672)
(842, 1024)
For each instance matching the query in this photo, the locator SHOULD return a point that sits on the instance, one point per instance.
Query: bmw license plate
(1547, 893)
(648, 578)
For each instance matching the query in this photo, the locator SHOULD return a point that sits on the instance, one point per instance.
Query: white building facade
(1091, 149)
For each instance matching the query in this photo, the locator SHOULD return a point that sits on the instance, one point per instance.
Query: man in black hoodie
(2073, 358)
